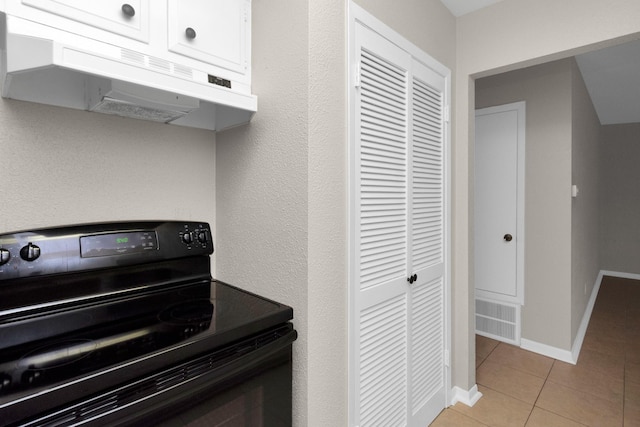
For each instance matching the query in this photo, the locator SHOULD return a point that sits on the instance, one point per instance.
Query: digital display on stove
(109, 244)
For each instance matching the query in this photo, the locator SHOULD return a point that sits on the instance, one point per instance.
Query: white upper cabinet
(211, 31)
(128, 18)
(185, 62)
(212, 36)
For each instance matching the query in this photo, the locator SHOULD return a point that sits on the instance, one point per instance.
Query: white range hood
(49, 66)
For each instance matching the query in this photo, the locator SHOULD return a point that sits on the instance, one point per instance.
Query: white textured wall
(620, 198)
(328, 225)
(427, 24)
(505, 36)
(585, 209)
(546, 89)
(61, 166)
(262, 178)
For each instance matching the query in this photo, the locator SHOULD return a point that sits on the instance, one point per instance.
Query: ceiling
(462, 7)
(612, 75)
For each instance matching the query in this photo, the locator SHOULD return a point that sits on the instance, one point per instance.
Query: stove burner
(188, 313)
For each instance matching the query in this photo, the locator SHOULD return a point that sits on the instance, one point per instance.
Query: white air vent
(498, 320)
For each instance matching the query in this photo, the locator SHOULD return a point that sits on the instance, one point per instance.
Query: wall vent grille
(498, 320)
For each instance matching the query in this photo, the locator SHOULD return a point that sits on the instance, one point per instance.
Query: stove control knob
(187, 238)
(31, 377)
(203, 236)
(30, 252)
(5, 256)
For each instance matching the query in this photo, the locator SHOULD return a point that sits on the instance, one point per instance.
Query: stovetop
(49, 350)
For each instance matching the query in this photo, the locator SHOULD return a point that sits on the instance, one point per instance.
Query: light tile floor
(521, 388)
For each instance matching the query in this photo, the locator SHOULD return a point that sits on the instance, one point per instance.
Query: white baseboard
(469, 398)
(582, 329)
(547, 350)
(620, 274)
(566, 355)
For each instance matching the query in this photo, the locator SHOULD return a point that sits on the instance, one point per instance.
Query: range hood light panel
(125, 109)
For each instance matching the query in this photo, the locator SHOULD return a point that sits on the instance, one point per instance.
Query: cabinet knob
(128, 10)
(190, 33)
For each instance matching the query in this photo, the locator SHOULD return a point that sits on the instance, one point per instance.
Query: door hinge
(447, 113)
(447, 358)
(357, 76)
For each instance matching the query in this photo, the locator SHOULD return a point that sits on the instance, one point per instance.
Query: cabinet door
(211, 31)
(128, 18)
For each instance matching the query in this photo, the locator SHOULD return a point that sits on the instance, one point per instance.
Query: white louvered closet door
(426, 235)
(398, 303)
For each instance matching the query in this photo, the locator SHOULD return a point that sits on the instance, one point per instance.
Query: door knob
(412, 279)
(190, 33)
(508, 237)
(128, 10)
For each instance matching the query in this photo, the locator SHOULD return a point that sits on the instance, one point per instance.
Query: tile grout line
(546, 378)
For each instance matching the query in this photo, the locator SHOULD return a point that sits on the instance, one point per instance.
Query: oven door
(246, 384)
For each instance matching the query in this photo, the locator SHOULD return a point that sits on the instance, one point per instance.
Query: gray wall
(585, 209)
(620, 198)
(562, 257)
(546, 89)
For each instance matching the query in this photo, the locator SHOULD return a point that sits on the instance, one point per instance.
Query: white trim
(633, 276)
(582, 330)
(468, 398)
(547, 350)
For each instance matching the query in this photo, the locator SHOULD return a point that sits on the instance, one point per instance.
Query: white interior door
(398, 335)
(499, 202)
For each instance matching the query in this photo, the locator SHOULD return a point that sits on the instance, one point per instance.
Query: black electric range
(122, 324)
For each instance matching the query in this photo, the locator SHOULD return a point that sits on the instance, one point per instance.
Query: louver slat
(427, 185)
(383, 363)
(427, 337)
(383, 165)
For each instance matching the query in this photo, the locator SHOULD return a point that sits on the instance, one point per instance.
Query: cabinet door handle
(128, 10)
(190, 33)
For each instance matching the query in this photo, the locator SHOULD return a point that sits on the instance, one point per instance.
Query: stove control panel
(195, 236)
(93, 246)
